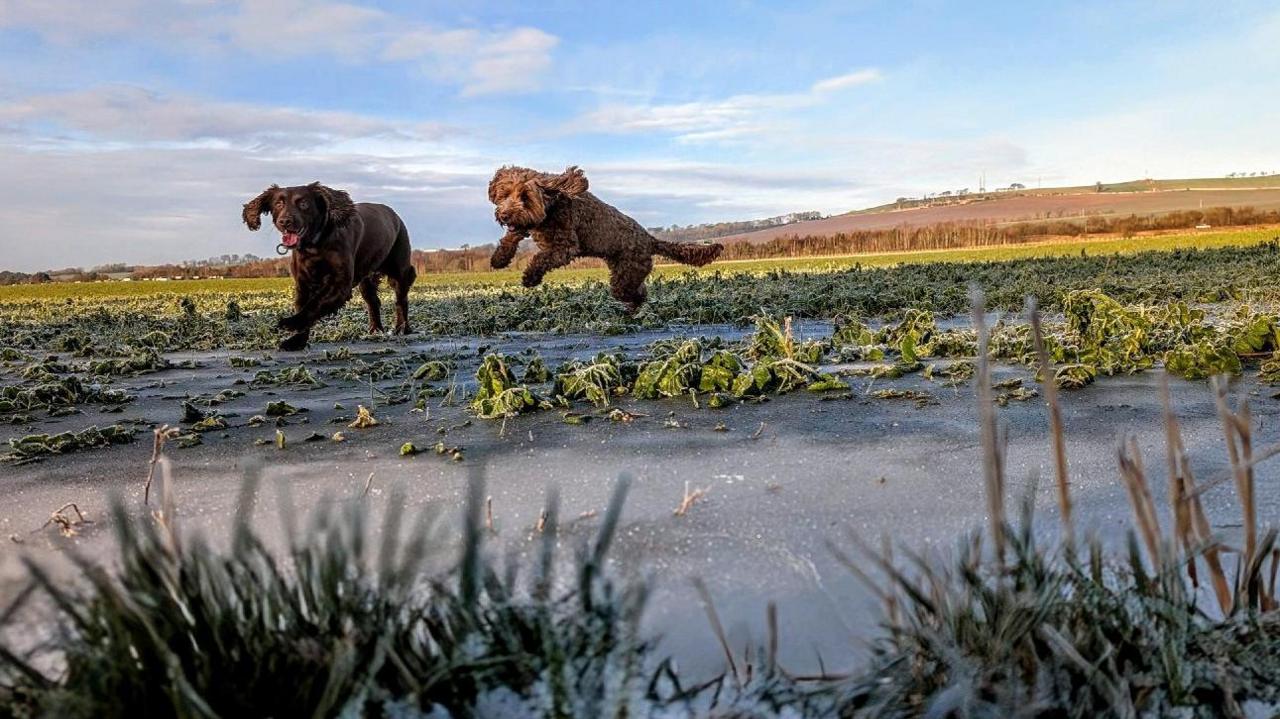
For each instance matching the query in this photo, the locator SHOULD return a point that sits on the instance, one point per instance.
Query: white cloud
(678, 118)
(510, 63)
(716, 120)
(486, 62)
(128, 113)
(478, 61)
(68, 20)
(295, 27)
(481, 62)
(840, 82)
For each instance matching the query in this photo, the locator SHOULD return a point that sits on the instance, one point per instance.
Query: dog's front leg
(303, 290)
(297, 324)
(296, 341)
(314, 302)
(335, 295)
(506, 250)
(543, 262)
(557, 247)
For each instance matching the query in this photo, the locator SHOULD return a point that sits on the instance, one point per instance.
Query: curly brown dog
(566, 222)
(337, 244)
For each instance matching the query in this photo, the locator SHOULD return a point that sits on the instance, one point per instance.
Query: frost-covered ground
(782, 478)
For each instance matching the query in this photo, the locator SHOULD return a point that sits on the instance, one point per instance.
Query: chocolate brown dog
(566, 222)
(336, 245)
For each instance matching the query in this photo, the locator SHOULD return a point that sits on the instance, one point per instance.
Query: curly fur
(341, 245)
(339, 209)
(257, 207)
(566, 222)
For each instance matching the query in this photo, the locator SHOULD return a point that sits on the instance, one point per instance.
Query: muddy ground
(782, 478)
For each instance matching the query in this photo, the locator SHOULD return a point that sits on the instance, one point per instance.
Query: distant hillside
(1116, 200)
(1004, 210)
(948, 197)
(676, 233)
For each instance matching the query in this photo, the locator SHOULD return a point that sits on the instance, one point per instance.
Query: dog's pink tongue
(290, 239)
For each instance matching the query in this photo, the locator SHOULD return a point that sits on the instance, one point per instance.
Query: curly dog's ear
(339, 209)
(571, 183)
(254, 209)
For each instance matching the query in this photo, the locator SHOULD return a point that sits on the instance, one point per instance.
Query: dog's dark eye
(302, 204)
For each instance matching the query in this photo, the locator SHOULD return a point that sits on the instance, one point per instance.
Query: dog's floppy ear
(571, 183)
(339, 208)
(254, 209)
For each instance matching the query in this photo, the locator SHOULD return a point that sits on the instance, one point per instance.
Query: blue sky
(133, 130)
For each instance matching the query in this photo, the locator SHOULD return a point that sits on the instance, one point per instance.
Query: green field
(573, 276)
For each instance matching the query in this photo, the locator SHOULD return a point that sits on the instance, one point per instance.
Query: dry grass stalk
(1275, 565)
(717, 628)
(1056, 434)
(1144, 509)
(65, 523)
(164, 516)
(1204, 533)
(1183, 529)
(163, 434)
(771, 617)
(488, 513)
(891, 609)
(992, 457)
(1236, 431)
(368, 485)
(690, 497)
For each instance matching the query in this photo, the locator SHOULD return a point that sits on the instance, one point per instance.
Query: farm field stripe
(573, 276)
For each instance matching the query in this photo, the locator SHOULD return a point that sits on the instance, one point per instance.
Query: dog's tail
(696, 254)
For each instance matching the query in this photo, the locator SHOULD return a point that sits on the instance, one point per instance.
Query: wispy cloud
(479, 61)
(295, 27)
(65, 21)
(510, 63)
(727, 119)
(852, 79)
(113, 113)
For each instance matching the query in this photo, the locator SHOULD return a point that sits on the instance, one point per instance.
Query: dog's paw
(502, 257)
(530, 281)
(403, 330)
(294, 343)
(290, 323)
